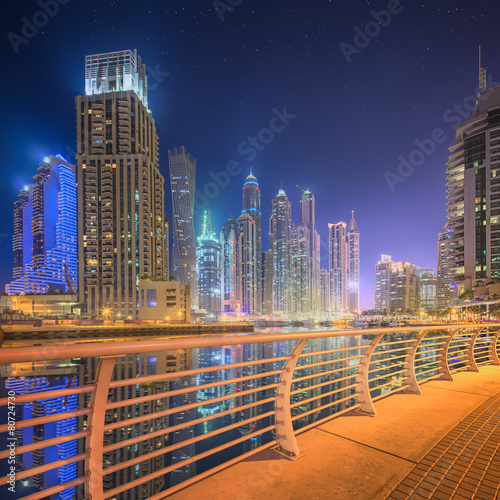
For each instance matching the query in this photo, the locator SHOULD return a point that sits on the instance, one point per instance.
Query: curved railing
(140, 425)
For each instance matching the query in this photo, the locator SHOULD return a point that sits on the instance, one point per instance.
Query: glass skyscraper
(208, 263)
(182, 182)
(45, 236)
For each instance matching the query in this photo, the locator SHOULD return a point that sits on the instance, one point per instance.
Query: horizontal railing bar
(329, 382)
(321, 374)
(46, 443)
(182, 463)
(398, 389)
(429, 345)
(202, 475)
(190, 373)
(36, 396)
(422, 358)
(46, 467)
(329, 362)
(457, 362)
(98, 349)
(46, 493)
(344, 349)
(326, 394)
(428, 371)
(320, 408)
(381, 386)
(401, 356)
(177, 409)
(190, 423)
(186, 442)
(380, 353)
(398, 342)
(22, 424)
(386, 367)
(432, 377)
(186, 390)
(386, 375)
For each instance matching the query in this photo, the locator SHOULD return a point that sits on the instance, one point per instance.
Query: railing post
(362, 379)
(410, 377)
(288, 447)
(443, 367)
(95, 441)
(493, 354)
(470, 361)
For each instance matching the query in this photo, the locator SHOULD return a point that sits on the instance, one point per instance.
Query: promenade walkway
(444, 443)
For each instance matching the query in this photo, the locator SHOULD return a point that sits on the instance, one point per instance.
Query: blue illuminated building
(45, 231)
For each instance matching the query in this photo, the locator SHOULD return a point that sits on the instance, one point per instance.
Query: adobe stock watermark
(249, 148)
(363, 36)
(222, 7)
(426, 147)
(40, 19)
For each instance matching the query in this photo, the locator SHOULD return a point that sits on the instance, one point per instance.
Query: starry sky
(363, 121)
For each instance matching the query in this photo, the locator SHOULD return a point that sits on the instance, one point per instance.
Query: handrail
(270, 399)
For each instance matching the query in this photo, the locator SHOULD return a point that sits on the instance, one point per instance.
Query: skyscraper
(473, 185)
(182, 182)
(339, 266)
(122, 226)
(267, 282)
(324, 280)
(443, 275)
(308, 220)
(428, 289)
(301, 270)
(250, 247)
(281, 234)
(208, 263)
(353, 271)
(45, 238)
(383, 283)
(230, 277)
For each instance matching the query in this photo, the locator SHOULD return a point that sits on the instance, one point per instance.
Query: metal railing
(262, 390)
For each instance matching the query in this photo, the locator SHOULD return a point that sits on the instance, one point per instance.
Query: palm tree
(475, 311)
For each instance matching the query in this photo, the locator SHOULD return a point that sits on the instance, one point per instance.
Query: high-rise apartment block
(443, 274)
(397, 286)
(230, 274)
(45, 236)
(121, 218)
(250, 247)
(339, 266)
(280, 233)
(182, 182)
(208, 263)
(428, 290)
(353, 266)
(473, 191)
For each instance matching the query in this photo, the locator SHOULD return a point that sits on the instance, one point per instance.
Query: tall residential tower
(121, 218)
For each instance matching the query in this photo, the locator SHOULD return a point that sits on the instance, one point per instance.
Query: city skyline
(227, 114)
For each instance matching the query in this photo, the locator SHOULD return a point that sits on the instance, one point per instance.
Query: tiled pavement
(464, 465)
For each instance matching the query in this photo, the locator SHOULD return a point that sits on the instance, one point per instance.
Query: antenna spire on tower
(482, 74)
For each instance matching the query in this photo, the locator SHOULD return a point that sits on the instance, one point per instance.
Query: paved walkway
(464, 465)
(400, 453)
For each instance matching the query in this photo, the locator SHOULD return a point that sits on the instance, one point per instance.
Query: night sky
(352, 111)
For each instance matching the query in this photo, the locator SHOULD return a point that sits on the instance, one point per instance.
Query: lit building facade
(353, 267)
(428, 290)
(473, 192)
(208, 263)
(324, 284)
(339, 266)
(383, 270)
(45, 236)
(230, 274)
(280, 237)
(121, 225)
(164, 301)
(308, 220)
(443, 274)
(267, 282)
(250, 248)
(182, 182)
(301, 270)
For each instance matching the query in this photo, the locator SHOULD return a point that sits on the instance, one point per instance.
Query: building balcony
(293, 419)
